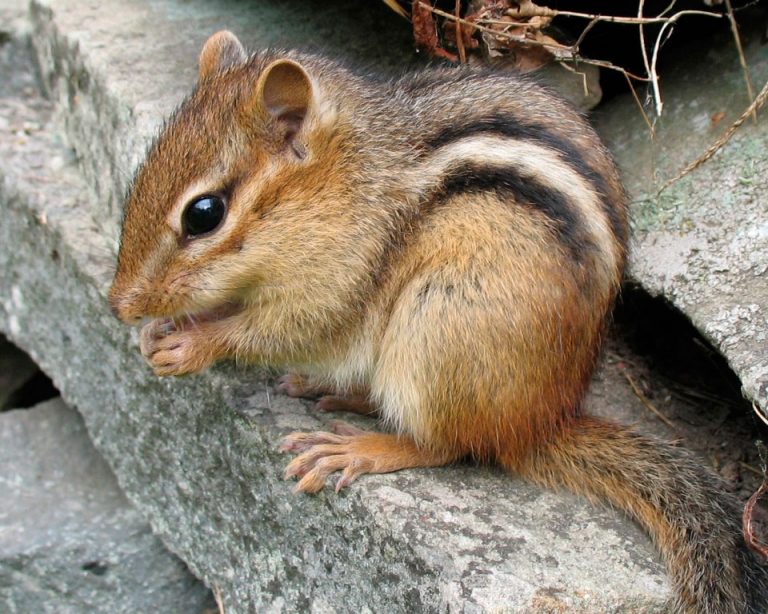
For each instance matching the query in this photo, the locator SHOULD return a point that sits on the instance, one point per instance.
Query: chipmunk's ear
(220, 51)
(285, 92)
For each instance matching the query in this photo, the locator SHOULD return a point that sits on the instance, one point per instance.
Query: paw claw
(170, 350)
(294, 385)
(320, 455)
(310, 484)
(291, 472)
(326, 403)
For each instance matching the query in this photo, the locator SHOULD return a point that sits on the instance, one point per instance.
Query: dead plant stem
(647, 403)
(753, 108)
(742, 59)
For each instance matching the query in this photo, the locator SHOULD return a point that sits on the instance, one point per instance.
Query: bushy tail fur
(690, 517)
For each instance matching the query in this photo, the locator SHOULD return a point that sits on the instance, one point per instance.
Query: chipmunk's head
(216, 208)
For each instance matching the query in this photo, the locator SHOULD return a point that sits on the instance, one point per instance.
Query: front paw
(170, 350)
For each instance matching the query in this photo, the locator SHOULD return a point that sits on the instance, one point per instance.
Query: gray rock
(69, 539)
(198, 455)
(703, 244)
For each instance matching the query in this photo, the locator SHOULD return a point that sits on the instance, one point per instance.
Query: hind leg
(300, 386)
(354, 452)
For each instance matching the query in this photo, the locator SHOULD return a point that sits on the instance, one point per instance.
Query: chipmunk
(444, 248)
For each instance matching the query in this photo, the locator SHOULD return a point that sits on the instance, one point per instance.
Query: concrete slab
(69, 540)
(197, 455)
(703, 244)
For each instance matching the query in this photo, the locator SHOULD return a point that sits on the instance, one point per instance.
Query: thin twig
(607, 18)
(746, 521)
(746, 6)
(555, 47)
(460, 34)
(219, 600)
(583, 75)
(584, 32)
(669, 23)
(742, 59)
(760, 413)
(645, 401)
(396, 7)
(758, 102)
(749, 467)
(640, 106)
(670, 6)
(654, 59)
(571, 53)
(749, 509)
(643, 48)
(605, 64)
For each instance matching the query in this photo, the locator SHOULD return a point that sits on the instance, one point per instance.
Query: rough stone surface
(197, 455)
(703, 244)
(69, 539)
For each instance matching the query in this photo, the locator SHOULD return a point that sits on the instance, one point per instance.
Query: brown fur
(449, 245)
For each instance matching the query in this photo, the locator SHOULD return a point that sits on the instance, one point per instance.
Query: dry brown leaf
(425, 31)
(520, 34)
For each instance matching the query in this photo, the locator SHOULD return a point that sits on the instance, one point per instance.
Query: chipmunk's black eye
(203, 215)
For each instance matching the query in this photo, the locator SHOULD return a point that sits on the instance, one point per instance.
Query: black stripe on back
(570, 154)
(525, 190)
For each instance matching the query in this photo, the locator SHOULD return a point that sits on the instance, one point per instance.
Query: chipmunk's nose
(123, 307)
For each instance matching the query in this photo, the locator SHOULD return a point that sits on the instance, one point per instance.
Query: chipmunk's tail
(683, 506)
